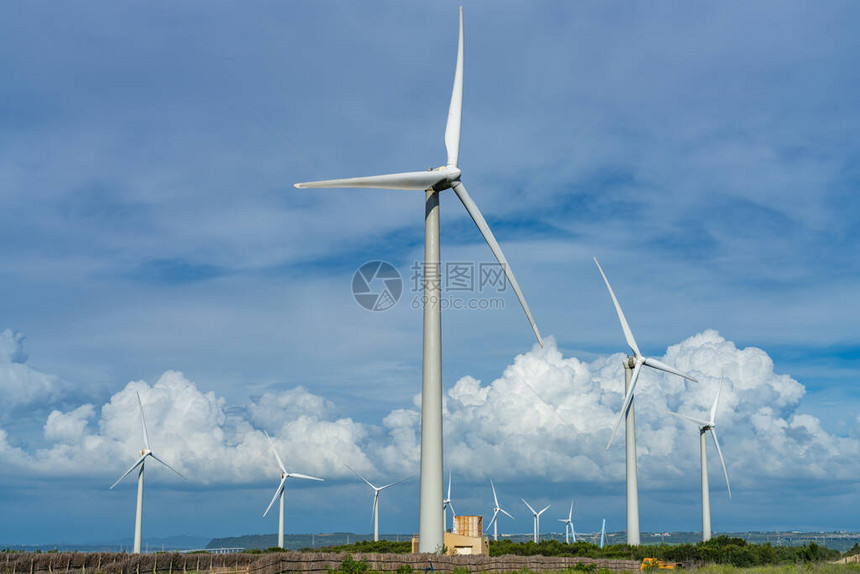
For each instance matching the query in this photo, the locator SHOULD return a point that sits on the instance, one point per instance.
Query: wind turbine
(602, 532)
(568, 523)
(536, 518)
(432, 182)
(632, 368)
(376, 490)
(704, 427)
(445, 504)
(496, 510)
(279, 492)
(146, 452)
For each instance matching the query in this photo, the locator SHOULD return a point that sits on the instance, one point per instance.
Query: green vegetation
(823, 568)
(719, 550)
(368, 546)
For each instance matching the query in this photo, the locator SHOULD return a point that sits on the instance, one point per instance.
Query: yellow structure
(656, 563)
(468, 540)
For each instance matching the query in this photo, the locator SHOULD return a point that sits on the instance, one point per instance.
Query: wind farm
(171, 292)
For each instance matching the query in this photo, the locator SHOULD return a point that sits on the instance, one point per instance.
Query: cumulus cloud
(20, 384)
(546, 415)
(549, 415)
(68, 427)
(192, 430)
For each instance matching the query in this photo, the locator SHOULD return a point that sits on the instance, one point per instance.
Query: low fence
(283, 562)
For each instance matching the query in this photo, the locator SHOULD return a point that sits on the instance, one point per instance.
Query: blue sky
(706, 155)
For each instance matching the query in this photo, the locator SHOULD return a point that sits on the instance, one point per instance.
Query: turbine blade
(697, 422)
(455, 111)
(397, 482)
(506, 513)
(413, 180)
(492, 520)
(655, 364)
(134, 466)
(449, 474)
(544, 509)
(278, 491)
(627, 400)
(570, 514)
(628, 334)
(361, 477)
(275, 450)
(451, 506)
(495, 498)
(479, 220)
(716, 402)
(143, 420)
(529, 505)
(722, 461)
(167, 465)
(304, 476)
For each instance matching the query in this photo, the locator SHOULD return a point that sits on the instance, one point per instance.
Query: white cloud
(546, 415)
(68, 427)
(20, 384)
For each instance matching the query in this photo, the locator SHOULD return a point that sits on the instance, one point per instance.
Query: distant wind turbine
(496, 510)
(432, 182)
(704, 428)
(602, 532)
(568, 523)
(279, 492)
(446, 503)
(632, 369)
(376, 490)
(146, 452)
(536, 519)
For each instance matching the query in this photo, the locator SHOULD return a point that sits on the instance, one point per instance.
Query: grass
(816, 568)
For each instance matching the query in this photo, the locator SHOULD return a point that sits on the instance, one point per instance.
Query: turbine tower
(496, 510)
(704, 428)
(445, 504)
(432, 182)
(279, 492)
(568, 523)
(632, 369)
(374, 515)
(602, 532)
(146, 452)
(536, 519)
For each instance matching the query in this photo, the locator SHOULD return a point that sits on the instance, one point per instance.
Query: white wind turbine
(279, 492)
(602, 532)
(536, 519)
(376, 490)
(432, 182)
(704, 428)
(568, 523)
(496, 510)
(146, 452)
(632, 369)
(447, 503)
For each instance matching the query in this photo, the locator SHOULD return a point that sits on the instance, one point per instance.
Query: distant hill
(183, 542)
(296, 541)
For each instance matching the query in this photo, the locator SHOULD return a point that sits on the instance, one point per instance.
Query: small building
(468, 540)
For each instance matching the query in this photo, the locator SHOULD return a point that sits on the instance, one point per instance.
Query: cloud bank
(547, 416)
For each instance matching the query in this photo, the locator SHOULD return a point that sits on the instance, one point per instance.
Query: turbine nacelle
(452, 175)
